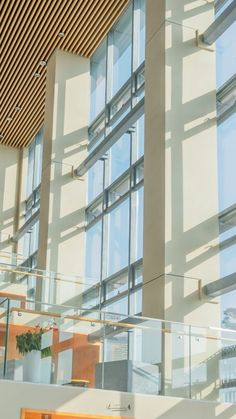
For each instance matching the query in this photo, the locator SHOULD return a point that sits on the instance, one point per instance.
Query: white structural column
(10, 174)
(62, 212)
(181, 250)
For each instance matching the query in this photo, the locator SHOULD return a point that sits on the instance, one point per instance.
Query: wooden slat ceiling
(29, 33)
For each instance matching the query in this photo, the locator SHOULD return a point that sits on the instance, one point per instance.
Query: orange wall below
(50, 415)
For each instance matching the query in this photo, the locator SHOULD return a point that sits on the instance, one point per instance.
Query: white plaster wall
(180, 180)
(62, 213)
(8, 184)
(14, 396)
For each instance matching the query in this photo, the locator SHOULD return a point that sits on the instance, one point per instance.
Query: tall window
(226, 75)
(98, 81)
(120, 53)
(114, 234)
(29, 242)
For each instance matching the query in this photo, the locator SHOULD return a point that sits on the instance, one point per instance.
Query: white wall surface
(14, 396)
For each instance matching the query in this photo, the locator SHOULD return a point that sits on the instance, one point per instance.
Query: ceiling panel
(29, 34)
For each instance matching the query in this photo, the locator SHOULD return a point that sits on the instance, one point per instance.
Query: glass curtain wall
(29, 241)
(226, 69)
(114, 233)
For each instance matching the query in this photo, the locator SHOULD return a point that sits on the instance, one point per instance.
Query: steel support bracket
(201, 44)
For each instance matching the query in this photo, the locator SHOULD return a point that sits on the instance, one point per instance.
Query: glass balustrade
(57, 344)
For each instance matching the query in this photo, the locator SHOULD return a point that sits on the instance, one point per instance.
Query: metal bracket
(118, 408)
(201, 44)
(75, 176)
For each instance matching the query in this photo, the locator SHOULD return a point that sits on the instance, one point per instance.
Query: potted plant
(29, 345)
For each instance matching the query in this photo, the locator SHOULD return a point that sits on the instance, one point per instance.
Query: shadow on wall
(142, 407)
(8, 185)
(65, 140)
(191, 156)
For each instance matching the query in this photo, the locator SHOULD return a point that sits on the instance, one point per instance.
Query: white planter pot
(31, 367)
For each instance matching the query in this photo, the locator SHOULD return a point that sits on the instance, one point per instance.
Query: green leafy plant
(28, 342)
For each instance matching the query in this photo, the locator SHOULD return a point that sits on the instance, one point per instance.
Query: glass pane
(139, 173)
(116, 285)
(145, 349)
(93, 253)
(137, 224)
(30, 173)
(120, 47)
(138, 275)
(120, 102)
(91, 298)
(118, 238)
(97, 132)
(226, 55)
(177, 352)
(98, 80)
(119, 306)
(120, 189)
(138, 136)
(136, 302)
(38, 159)
(119, 159)
(34, 236)
(94, 211)
(26, 244)
(139, 32)
(95, 180)
(226, 162)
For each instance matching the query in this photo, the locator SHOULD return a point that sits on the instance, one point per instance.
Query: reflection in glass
(226, 55)
(139, 32)
(119, 159)
(119, 53)
(118, 238)
(116, 285)
(140, 137)
(118, 306)
(136, 302)
(137, 221)
(98, 80)
(118, 190)
(95, 180)
(34, 163)
(226, 162)
(93, 253)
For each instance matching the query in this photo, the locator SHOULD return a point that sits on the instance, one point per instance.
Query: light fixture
(18, 108)
(61, 34)
(42, 63)
(9, 119)
(37, 75)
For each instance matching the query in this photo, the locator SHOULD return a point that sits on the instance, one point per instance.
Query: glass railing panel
(213, 363)
(53, 345)
(94, 349)
(176, 360)
(21, 282)
(132, 354)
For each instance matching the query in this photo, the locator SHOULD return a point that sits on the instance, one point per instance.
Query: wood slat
(28, 34)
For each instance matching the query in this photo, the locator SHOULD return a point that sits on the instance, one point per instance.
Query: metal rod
(111, 138)
(221, 24)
